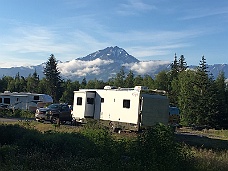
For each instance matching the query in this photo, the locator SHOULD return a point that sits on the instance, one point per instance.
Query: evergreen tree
(68, 93)
(90, 84)
(33, 82)
(174, 68)
(174, 92)
(120, 77)
(148, 81)
(173, 87)
(129, 81)
(110, 81)
(161, 81)
(182, 64)
(222, 100)
(206, 105)
(202, 85)
(53, 79)
(4, 83)
(187, 97)
(42, 86)
(99, 84)
(138, 81)
(83, 83)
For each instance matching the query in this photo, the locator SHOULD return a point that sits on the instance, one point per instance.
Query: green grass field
(38, 146)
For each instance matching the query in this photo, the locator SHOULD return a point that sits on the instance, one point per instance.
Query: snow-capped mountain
(104, 64)
(116, 54)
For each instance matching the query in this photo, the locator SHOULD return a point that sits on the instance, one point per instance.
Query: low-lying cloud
(81, 68)
(144, 67)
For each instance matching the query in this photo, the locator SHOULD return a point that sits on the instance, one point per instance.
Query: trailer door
(90, 104)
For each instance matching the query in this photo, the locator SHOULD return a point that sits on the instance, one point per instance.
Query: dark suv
(54, 112)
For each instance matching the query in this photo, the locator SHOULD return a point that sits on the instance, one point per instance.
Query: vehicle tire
(54, 120)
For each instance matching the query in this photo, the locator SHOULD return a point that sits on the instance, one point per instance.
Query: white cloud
(134, 6)
(145, 66)
(81, 68)
(202, 12)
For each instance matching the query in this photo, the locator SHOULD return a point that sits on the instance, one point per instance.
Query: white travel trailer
(24, 101)
(124, 108)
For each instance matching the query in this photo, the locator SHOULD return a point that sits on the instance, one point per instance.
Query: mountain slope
(116, 54)
(104, 64)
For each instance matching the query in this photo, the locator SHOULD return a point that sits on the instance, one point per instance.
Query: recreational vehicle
(123, 108)
(24, 101)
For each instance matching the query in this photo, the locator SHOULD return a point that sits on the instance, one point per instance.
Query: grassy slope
(208, 147)
(37, 146)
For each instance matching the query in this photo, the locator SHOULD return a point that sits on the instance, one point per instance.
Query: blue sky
(31, 30)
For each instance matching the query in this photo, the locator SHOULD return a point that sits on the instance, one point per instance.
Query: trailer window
(102, 100)
(90, 100)
(0, 100)
(126, 103)
(79, 100)
(36, 98)
(7, 100)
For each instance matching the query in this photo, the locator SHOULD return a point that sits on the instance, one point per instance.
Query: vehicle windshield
(54, 106)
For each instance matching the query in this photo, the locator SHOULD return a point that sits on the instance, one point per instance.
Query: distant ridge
(111, 53)
(103, 65)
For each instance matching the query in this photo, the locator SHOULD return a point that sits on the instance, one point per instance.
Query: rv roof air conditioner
(140, 88)
(109, 87)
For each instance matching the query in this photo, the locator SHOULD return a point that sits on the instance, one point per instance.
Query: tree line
(202, 99)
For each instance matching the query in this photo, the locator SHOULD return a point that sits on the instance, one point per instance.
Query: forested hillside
(202, 99)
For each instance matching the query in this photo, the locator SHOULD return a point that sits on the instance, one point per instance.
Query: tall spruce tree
(53, 79)
(138, 81)
(161, 81)
(173, 87)
(129, 81)
(205, 96)
(33, 82)
(120, 77)
(83, 83)
(148, 81)
(187, 97)
(182, 64)
(222, 100)
(174, 68)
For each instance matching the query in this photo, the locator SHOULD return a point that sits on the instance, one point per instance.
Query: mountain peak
(111, 53)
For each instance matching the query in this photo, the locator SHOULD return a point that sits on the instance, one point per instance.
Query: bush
(18, 113)
(158, 150)
(93, 148)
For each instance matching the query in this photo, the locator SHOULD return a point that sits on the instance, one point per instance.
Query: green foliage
(138, 81)
(129, 81)
(94, 148)
(157, 150)
(53, 79)
(119, 79)
(201, 99)
(161, 81)
(17, 113)
(68, 93)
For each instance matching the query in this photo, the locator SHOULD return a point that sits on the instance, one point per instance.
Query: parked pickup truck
(53, 113)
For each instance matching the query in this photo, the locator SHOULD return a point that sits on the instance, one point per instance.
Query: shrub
(93, 148)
